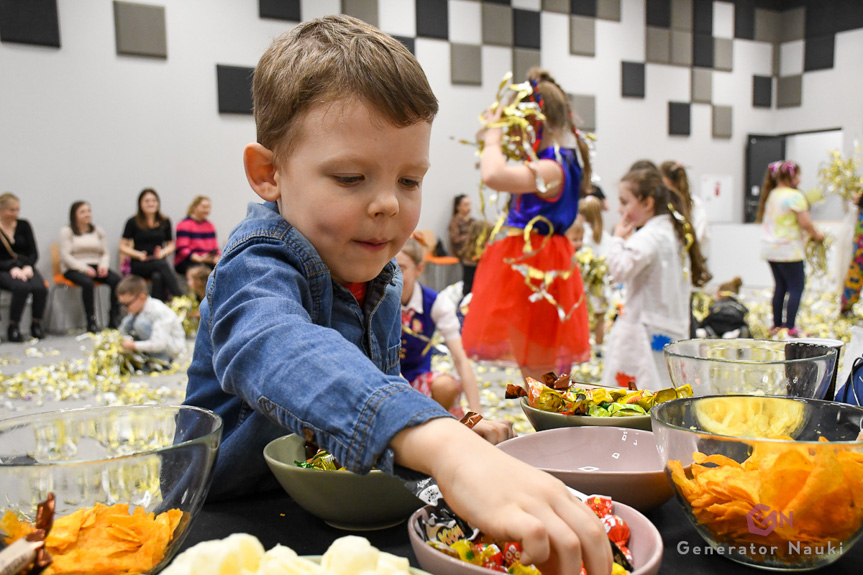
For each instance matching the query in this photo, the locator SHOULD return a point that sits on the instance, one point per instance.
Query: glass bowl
(157, 458)
(751, 366)
(772, 482)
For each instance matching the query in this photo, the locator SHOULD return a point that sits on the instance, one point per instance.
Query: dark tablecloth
(275, 518)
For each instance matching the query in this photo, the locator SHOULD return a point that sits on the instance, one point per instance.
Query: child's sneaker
(795, 332)
(773, 331)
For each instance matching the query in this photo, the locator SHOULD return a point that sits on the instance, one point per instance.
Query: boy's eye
(348, 180)
(409, 183)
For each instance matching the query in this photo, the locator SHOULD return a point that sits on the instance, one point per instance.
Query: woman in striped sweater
(196, 238)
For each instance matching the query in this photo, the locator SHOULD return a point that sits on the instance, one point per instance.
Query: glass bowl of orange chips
(772, 482)
(126, 481)
(751, 367)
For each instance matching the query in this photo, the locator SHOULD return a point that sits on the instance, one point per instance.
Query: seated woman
(84, 260)
(18, 256)
(196, 238)
(148, 241)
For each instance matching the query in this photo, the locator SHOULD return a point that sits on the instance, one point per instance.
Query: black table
(275, 518)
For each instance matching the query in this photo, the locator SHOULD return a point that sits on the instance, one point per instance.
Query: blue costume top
(562, 210)
(413, 361)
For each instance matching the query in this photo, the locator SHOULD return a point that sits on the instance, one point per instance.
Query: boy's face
(352, 185)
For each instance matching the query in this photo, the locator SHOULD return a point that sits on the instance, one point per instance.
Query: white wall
(82, 122)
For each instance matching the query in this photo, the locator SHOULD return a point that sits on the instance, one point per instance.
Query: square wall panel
(681, 15)
(789, 92)
(535, 5)
(702, 16)
(762, 91)
(365, 10)
(658, 48)
(658, 13)
(681, 48)
(559, 6)
(465, 22)
(679, 118)
(432, 19)
(582, 36)
(723, 20)
(234, 89)
(280, 9)
(791, 58)
(723, 54)
(702, 85)
(496, 25)
(792, 25)
(722, 121)
(583, 8)
(311, 9)
(139, 30)
(608, 10)
(30, 22)
(819, 53)
(632, 79)
(398, 18)
(767, 24)
(744, 19)
(702, 50)
(522, 61)
(466, 64)
(525, 29)
(584, 109)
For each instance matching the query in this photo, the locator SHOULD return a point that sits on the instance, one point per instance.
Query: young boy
(300, 328)
(151, 327)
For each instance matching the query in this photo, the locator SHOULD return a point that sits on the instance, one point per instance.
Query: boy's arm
(507, 498)
(159, 336)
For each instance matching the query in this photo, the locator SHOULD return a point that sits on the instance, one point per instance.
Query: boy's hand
(494, 431)
(128, 344)
(506, 498)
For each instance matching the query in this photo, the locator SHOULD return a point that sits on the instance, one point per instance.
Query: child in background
(575, 234)
(423, 312)
(300, 330)
(196, 280)
(151, 328)
(675, 179)
(727, 316)
(539, 324)
(657, 264)
(784, 212)
(598, 240)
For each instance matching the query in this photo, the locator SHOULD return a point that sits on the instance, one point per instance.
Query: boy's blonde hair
(414, 250)
(328, 59)
(132, 284)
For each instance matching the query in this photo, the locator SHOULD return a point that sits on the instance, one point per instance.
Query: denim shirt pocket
(392, 359)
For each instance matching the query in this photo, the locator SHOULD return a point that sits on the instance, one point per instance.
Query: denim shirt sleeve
(268, 351)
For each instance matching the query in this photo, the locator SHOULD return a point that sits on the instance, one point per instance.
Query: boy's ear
(261, 171)
(421, 266)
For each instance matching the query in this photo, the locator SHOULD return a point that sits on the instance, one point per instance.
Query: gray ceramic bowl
(343, 499)
(542, 420)
(645, 543)
(619, 462)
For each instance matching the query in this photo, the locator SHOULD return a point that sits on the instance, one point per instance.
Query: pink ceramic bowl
(645, 543)
(619, 462)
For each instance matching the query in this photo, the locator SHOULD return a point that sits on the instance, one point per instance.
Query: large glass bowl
(789, 504)
(153, 457)
(751, 366)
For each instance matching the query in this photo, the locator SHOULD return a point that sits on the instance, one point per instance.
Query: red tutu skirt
(503, 323)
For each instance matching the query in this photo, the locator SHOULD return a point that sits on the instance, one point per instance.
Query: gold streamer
(840, 175)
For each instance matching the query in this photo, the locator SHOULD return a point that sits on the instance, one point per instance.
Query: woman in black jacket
(18, 256)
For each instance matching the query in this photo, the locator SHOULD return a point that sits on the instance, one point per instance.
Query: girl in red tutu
(528, 303)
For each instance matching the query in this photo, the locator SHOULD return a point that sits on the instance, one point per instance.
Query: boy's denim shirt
(282, 348)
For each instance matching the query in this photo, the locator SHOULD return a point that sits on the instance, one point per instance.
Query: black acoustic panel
(702, 50)
(583, 8)
(679, 118)
(762, 91)
(235, 89)
(818, 53)
(525, 28)
(744, 19)
(775, 5)
(30, 22)
(433, 19)
(409, 43)
(702, 16)
(280, 9)
(504, 2)
(849, 15)
(658, 13)
(821, 19)
(632, 79)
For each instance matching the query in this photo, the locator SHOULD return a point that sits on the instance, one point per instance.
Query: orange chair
(60, 281)
(440, 271)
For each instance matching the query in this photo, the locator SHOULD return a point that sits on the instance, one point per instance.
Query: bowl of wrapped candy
(559, 402)
(108, 489)
(751, 366)
(619, 462)
(772, 482)
(342, 499)
(445, 543)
